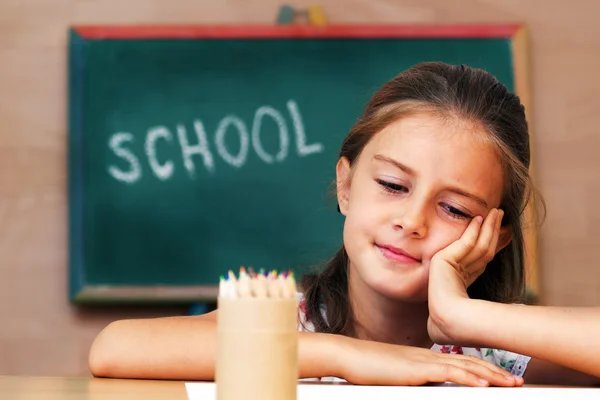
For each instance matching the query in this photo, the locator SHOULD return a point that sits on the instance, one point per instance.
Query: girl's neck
(382, 319)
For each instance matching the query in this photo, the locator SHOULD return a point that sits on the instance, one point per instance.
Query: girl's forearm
(181, 348)
(564, 336)
(184, 348)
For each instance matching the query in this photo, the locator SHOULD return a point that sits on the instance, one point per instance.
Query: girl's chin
(408, 290)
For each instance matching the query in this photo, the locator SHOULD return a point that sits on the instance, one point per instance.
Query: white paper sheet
(308, 391)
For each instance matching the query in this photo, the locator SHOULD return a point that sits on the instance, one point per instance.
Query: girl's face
(412, 192)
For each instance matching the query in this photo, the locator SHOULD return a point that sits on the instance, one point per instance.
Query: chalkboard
(195, 150)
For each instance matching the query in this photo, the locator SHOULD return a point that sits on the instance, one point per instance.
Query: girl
(421, 272)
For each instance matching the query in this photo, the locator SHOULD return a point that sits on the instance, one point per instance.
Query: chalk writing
(158, 137)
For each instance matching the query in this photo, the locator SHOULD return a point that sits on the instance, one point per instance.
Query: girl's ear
(504, 238)
(342, 181)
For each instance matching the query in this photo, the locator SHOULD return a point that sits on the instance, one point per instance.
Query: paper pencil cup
(257, 349)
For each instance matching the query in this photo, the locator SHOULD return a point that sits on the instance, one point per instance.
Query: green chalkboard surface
(196, 150)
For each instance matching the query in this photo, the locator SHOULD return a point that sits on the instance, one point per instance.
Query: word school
(164, 170)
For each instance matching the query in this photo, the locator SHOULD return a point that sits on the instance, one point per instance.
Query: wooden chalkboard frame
(82, 292)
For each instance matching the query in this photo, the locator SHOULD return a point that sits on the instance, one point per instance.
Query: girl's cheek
(439, 241)
(448, 234)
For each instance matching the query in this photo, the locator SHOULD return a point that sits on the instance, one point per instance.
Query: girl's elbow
(102, 358)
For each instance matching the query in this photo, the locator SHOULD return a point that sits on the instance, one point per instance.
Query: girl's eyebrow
(387, 160)
(397, 164)
(479, 200)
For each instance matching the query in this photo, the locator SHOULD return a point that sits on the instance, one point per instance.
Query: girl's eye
(455, 212)
(392, 187)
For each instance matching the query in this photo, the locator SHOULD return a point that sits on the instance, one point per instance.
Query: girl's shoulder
(304, 325)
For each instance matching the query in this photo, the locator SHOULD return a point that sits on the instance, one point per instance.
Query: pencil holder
(257, 348)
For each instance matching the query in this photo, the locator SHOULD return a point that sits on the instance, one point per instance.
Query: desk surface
(85, 388)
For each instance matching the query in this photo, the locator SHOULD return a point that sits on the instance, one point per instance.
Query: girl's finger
(494, 243)
(486, 236)
(457, 250)
(483, 363)
(450, 373)
(493, 376)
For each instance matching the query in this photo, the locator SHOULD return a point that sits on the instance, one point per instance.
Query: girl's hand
(374, 363)
(453, 270)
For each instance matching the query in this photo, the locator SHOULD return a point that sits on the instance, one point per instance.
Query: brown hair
(449, 91)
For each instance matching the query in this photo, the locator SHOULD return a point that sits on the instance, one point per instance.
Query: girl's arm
(183, 348)
(562, 341)
(565, 336)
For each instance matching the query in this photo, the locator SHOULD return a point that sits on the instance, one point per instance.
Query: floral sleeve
(511, 362)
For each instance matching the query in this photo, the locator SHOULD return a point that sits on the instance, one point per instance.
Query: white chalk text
(196, 148)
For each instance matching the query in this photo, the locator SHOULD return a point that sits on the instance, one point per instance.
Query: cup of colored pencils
(257, 336)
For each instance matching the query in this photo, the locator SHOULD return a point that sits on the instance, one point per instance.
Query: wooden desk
(85, 388)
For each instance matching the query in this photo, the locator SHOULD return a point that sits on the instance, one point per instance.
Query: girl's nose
(411, 219)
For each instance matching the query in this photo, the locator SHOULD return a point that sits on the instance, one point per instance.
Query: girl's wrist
(346, 348)
(453, 322)
(470, 317)
(324, 354)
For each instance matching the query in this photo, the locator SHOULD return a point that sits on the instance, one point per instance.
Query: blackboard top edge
(295, 31)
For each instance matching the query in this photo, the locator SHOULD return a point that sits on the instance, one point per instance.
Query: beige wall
(40, 333)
